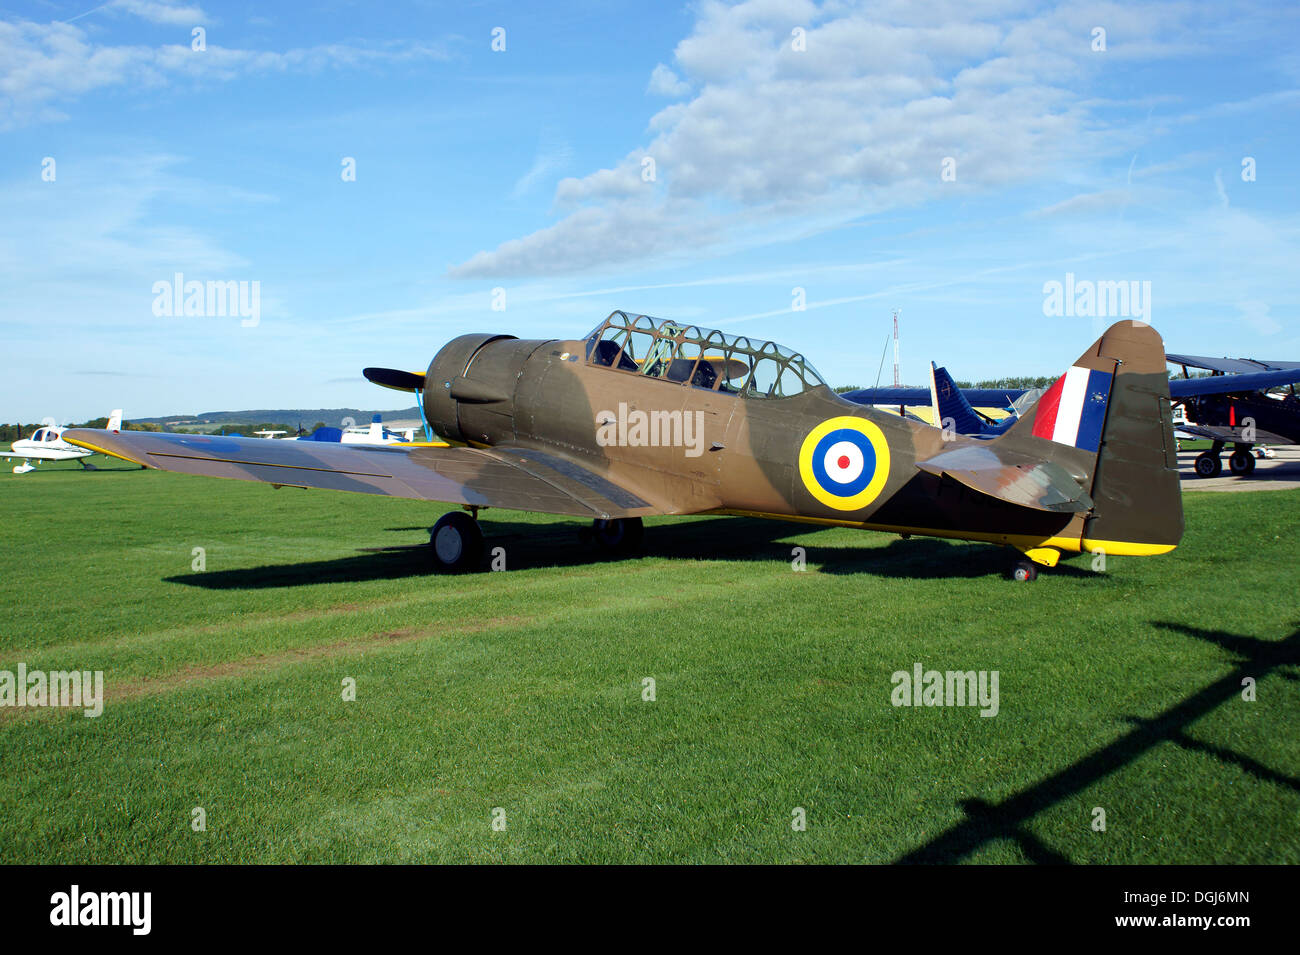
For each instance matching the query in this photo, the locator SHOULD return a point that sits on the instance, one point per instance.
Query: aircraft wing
(517, 478)
(1011, 477)
(29, 455)
(889, 396)
(920, 397)
(1229, 435)
(1231, 366)
(1180, 388)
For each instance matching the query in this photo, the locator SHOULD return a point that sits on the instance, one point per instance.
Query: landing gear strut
(456, 542)
(619, 536)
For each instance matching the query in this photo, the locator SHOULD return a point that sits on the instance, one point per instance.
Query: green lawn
(523, 690)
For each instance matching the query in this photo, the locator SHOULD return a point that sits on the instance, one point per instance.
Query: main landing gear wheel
(1241, 462)
(456, 542)
(1208, 465)
(1024, 571)
(622, 535)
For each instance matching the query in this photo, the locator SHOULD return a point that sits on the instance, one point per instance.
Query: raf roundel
(844, 462)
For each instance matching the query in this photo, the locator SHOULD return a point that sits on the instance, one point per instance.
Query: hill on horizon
(308, 416)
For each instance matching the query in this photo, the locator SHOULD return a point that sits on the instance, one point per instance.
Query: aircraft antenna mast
(896, 381)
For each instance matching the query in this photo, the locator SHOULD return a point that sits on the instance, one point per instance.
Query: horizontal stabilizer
(1014, 478)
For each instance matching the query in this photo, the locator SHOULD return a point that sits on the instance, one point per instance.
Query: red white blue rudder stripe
(1073, 410)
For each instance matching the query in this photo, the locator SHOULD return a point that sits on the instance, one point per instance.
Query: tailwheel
(456, 542)
(1241, 462)
(1024, 570)
(1208, 465)
(622, 535)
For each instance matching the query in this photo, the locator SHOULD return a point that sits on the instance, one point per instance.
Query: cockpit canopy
(44, 434)
(701, 357)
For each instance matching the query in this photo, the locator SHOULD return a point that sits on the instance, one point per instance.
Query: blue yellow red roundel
(844, 462)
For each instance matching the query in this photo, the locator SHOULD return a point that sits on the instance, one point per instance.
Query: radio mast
(896, 381)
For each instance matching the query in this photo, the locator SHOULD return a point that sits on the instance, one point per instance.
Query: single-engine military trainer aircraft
(648, 417)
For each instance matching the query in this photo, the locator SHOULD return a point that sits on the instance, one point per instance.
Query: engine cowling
(469, 389)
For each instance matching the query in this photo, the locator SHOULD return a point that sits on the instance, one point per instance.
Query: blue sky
(783, 160)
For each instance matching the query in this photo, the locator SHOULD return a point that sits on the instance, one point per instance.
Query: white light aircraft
(47, 444)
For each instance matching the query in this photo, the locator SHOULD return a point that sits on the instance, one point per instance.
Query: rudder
(1108, 420)
(1139, 500)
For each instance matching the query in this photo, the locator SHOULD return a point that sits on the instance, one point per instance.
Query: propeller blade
(395, 379)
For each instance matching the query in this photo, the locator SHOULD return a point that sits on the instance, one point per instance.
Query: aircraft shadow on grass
(987, 822)
(532, 546)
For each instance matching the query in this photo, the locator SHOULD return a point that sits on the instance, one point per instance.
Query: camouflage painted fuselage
(494, 391)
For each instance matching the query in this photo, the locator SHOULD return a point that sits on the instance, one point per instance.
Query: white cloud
(1088, 202)
(100, 226)
(553, 154)
(1219, 190)
(664, 82)
(589, 237)
(858, 123)
(45, 65)
(1255, 314)
(160, 12)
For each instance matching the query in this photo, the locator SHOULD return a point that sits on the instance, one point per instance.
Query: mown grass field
(522, 690)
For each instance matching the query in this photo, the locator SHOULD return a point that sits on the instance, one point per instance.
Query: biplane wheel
(456, 542)
(1024, 570)
(622, 535)
(1241, 462)
(1208, 465)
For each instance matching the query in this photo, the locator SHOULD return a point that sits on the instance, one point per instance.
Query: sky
(389, 176)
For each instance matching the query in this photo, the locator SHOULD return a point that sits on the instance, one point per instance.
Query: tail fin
(377, 429)
(951, 405)
(115, 420)
(1107, 420)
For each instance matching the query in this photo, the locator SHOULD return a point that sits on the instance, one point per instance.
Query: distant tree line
(234, 429)
(246, 430)
(1014, 383)
(15, 432)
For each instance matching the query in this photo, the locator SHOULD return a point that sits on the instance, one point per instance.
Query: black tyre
(622, 535)
(1024, 571)
(1208, 465)
(456, 543)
